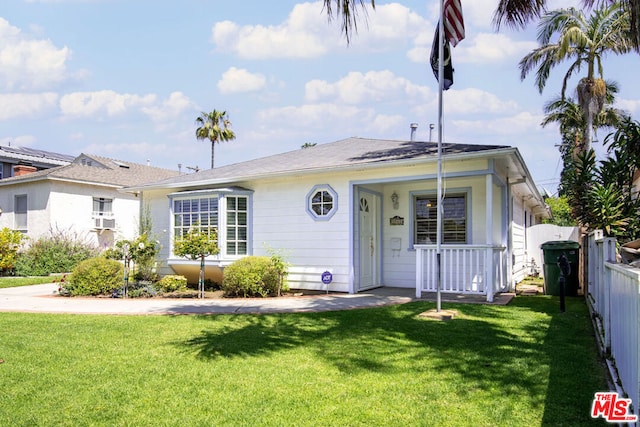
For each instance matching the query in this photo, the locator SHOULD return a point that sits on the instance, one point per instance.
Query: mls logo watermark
(612, 408)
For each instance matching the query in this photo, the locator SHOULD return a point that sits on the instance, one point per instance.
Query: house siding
(72, 206)
(522, 220)
(67, 207)
(158, 205)
(281, 223)
(37, 208)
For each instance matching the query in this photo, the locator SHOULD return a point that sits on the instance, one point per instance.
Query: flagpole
(439, 175)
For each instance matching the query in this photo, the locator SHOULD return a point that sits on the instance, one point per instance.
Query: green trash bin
(551, 251)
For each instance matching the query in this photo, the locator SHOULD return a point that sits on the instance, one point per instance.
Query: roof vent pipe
(413, 127)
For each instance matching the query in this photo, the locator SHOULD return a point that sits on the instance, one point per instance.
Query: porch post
(419, 271)
(488, 262)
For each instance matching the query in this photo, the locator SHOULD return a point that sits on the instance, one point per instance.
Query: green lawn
(525, 364)
(10, 282)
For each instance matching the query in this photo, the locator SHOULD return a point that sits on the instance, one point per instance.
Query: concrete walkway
(44, 299)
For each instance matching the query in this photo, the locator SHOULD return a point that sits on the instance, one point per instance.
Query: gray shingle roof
(103, 170)
(350, 152)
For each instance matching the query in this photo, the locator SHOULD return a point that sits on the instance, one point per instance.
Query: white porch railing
(614, 300)
(466, 269)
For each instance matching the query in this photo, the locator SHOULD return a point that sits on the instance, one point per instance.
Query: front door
(369, 244)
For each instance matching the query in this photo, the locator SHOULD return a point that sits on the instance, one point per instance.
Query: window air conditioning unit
(103, 223)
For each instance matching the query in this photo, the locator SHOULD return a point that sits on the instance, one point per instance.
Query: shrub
(58, 253)
(95, 276)
(142, 251)
(9, 243)
(172, 283)
(251, 276)
(141, 290)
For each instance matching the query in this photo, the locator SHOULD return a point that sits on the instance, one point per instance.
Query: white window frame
(311, 202)
(103, 203)
(221, 196)
(19, 213)
(464, 193)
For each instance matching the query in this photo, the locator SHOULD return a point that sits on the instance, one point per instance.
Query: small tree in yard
(142, 250)
(9, 244)
(197, 244)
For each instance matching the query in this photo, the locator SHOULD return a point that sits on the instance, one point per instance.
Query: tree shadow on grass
(570, 346)
(478, 349)
(528, 350)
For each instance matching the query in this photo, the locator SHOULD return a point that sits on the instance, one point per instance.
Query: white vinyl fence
(614, 300)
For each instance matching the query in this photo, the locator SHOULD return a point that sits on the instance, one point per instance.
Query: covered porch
(465, 270)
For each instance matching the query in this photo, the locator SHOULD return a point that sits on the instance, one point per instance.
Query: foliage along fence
(613, 295)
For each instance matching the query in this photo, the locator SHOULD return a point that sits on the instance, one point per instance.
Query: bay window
(225, 210)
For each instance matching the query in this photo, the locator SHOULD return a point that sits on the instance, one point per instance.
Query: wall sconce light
(394, 200)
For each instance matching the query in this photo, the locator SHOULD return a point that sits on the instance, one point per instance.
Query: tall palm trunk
(213, 147)
(591, 97)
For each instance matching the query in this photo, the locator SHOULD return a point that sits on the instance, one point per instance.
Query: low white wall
(542, 233)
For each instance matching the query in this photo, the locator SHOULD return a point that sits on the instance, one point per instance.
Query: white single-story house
(81, 198)
(363, 210)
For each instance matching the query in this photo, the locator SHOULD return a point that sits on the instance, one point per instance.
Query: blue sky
(127, 78)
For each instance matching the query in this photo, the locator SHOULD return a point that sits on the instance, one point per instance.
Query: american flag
(453, 22)
(453, 33)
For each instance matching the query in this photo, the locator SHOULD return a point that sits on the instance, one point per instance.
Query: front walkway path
(43, 298)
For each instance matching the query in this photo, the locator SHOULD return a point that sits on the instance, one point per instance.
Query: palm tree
(518, 13)
(568, 114)
(348, 11)
(214, 126)
(584, 42)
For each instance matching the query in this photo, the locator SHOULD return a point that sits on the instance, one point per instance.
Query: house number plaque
(396, 220)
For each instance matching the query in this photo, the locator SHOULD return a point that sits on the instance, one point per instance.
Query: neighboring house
(16, 161)
(82, 198)
(363, 210)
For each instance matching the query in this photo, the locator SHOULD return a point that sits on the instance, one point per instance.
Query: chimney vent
(414, 127)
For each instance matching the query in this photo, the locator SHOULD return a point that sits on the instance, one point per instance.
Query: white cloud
(306, 34)
(482, 48)
(315, 116)
(237, 80)
(491, 48)
(125, 150)
(30, 64)
(389, 25)
(16, 105)
(105, 102)
(172, 107)
(517, 124)
(473, 101)
(384, 123)
(19, 141)
(309, 119)
(167, 155)
(358, 88)
(631, 106)
(298, 37)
